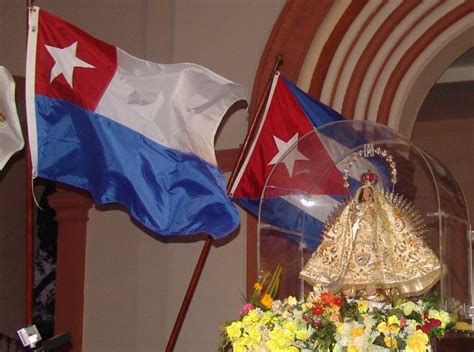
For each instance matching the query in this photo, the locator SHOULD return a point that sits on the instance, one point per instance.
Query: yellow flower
(363, 306)
(258, 287)
(442, 316)
(434, 314)
(352, 348)
(417, 342)
(251, 317)
(445, 318)
(408, 307)
(266, 317)
(255, 336)
(279, 340)
(234, 330)
(462, 325)
(357, 332)
(339, 328)
(390, 342)
(291, 327)
(245, 341)
(266, 300)
(393, 324)
(383, 328)
(237, 347)
(302, 334)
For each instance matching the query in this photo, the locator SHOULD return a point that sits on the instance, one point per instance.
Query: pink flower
(403, 322)
(246, 308)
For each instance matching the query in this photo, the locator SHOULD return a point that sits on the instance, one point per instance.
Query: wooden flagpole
(29, 215)
(207, 245)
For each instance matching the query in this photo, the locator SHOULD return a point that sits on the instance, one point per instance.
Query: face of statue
(366, 194)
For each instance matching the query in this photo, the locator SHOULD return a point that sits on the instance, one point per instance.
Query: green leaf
(379, 341)
(401, 344)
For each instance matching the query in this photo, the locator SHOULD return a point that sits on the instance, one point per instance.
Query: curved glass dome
(311, 184)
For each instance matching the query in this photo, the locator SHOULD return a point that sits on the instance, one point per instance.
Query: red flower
(434, 323)
(338, 300)
(327, 298)
(425, 328)
(318, 311)
(428, 325)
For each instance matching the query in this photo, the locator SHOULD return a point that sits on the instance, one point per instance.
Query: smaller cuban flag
(127, 130)
(11, 138)
(287, 147)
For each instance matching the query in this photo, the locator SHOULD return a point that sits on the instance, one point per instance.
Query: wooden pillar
(72, 209)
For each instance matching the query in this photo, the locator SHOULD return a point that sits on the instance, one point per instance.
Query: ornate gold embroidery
(376, 244)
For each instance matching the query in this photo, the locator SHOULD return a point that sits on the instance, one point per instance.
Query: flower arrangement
(330, 322)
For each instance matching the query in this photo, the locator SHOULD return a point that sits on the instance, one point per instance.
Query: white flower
(277, 306)
(291, 301)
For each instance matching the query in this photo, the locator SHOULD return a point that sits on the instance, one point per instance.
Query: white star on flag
(291, 157)
(65, 60)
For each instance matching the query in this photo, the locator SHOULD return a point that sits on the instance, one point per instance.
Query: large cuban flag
(128, 131)
(292, 175)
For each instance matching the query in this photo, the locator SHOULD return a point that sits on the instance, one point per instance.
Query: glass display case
(318, 176)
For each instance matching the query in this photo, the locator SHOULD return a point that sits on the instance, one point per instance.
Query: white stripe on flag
(11, 137)
(179, 106)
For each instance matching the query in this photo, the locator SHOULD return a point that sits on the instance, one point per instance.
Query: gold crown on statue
(369, 178)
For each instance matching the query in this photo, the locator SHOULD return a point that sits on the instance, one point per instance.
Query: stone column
(72, 209)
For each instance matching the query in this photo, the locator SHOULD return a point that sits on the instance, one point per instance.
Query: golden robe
(374, 243)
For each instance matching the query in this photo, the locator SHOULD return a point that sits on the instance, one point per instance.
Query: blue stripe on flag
(319, 113)
(99, 155)
(279, 213)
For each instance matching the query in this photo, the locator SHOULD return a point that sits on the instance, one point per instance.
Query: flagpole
(255, 122)
(207, 245)
(29, 216)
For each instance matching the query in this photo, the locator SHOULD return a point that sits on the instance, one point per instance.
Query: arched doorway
(444, 125)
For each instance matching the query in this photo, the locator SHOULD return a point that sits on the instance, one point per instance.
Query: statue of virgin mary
(374, 246)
